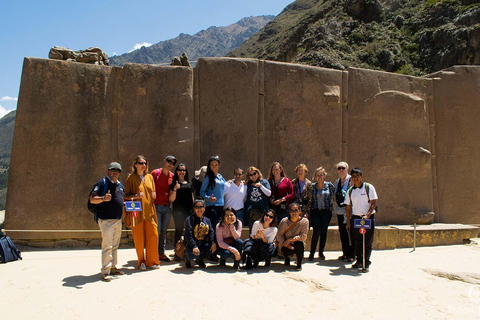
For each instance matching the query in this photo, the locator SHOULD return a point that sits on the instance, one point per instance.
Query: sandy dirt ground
(429, 283)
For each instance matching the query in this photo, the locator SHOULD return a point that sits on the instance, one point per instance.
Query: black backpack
(93, 207)
(8, 251)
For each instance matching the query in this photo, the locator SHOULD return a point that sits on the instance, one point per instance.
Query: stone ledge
(386, 237)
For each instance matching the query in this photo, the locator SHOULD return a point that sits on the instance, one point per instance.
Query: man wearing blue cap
(107, 196)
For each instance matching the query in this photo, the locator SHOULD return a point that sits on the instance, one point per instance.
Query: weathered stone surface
(61, 145)
(155, 114)
(71, 243)
(388, 137)
(302, 117)
(455, 97)
(435, 235)
(416, 139)
(93, 55)
(227, 113)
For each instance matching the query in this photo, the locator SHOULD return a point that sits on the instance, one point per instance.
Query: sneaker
(365, 270)
(200, 263)
(287, 261)
(163, 257)
(298, 267)
(143, 267)
(188, 264)
(106, 278)
(116, 272)
(356, 265)
(310, 257)
(155, 266)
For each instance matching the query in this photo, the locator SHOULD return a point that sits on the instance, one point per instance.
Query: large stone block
(61, 145)
(303, 117)
(456, 97)
(227, 109)
(155, 114)
(388, 137)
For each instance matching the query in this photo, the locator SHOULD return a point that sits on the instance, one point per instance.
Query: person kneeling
(199, 236)
(260, 245)
(292, 233)
(228, 233)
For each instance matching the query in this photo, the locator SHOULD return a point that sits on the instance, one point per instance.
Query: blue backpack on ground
(8, 251)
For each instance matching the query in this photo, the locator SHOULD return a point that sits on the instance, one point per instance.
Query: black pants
(320, 220)
(213, 213)
(179, 218)
(258, 249)
(347, 249)
(359, 240)
(298, 249)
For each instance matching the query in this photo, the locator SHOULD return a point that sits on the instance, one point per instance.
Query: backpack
(93, 207)
(339, 195)
(8, 251)
(367, 190)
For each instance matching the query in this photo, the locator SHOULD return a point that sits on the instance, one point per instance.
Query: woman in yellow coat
(140, 187)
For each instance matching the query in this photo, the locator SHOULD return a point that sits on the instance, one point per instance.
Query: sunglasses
(182, 170)
(253, 174)
(295, 210)
(341, 168)
(268, 216)
(115, 170)
(142, 163)
(238, 174)
(172, 162)
(215, 158)
(198, 207)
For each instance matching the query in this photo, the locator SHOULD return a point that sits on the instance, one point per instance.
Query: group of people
(210, 213)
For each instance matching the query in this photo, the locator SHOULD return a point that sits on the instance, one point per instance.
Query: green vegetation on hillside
(405, 36)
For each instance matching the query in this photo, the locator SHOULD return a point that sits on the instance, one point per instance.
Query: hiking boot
(268, 262)
(236, 265)
(200, 263)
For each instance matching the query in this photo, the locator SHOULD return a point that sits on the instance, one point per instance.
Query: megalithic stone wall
(387, 135)
(61, 147)
(415, 138)
(455, 111)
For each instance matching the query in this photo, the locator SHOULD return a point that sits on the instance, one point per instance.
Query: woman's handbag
(180, 248)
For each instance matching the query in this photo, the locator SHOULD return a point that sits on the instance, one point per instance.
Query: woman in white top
(342, 185)
(260, 246)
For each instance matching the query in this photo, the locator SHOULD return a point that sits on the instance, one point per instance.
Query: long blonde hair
(139, 157)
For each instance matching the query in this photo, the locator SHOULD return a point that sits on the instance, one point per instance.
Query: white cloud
(3, 111)
(8, 98)
(139, 45)
(114, 54)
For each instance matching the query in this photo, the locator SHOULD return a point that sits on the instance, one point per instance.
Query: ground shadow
(345, 271)
(79, 281)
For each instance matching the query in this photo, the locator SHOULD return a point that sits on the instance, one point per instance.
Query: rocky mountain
(213, 42)
(7, 124)
(406, 36)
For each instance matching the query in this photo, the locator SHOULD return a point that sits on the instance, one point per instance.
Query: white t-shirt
(360, 200)
(234, 195)
(269, 233)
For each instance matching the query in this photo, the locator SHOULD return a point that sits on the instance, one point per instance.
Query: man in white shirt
(361, 201)
(234, 194)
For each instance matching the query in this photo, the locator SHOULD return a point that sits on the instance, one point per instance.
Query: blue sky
(30, 28)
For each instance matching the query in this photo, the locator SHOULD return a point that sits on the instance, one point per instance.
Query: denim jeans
(163, 215)
(225, 254)
(241, 217)
(214, 213)
(204, 252)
